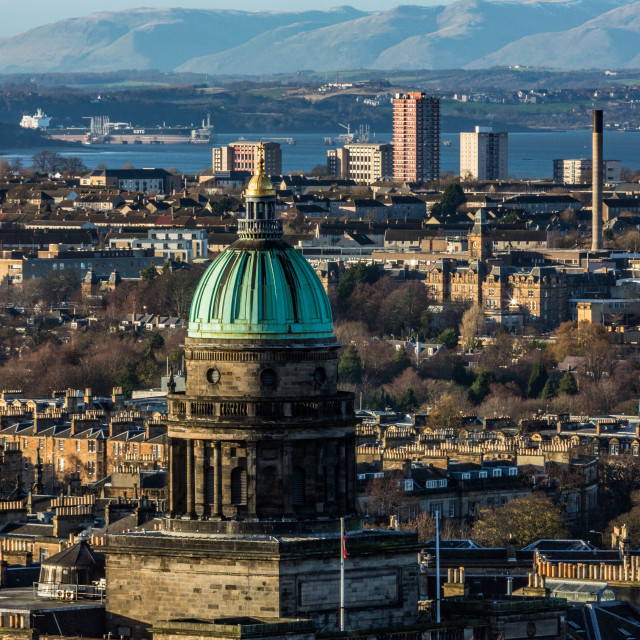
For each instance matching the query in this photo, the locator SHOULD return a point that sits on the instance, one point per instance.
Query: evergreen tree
(128, 379)
(361, 272)
(479, 390)
(502, 331)
(377, 401)
(350, 366)
(149, 273)
(452, 197)
(549, 391)
(567, 384)
(449, 338)
(409, 402)
(537, 380)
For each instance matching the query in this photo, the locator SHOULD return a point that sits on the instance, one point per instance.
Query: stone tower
(261, 462)
(262, 431)
(479, 238)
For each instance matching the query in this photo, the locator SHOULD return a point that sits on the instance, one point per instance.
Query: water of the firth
(530, 154)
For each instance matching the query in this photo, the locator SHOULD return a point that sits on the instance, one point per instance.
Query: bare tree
(472, 325)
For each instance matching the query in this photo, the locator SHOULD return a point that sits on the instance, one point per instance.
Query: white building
(579, 171)
(170, 244)
(40, 120)
(484, 155)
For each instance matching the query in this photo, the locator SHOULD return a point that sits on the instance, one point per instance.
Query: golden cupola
(260, 185)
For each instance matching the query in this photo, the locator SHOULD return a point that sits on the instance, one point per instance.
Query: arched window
(297, 486)
(238, 486)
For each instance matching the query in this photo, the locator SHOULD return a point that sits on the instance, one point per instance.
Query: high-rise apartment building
(580, 171)
(362, 162)
(416, 137)
(484, 154)
(243, 156)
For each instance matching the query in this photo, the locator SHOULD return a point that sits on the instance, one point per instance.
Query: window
(91, 446)
(41, 443)
(452, 509)
(77, 445)
(435, 507)
(482, 474)
(60, 464)
(25, 443)
(238, 487)
(497, 473)
(61, 445)
(466, 476)
(91, 468)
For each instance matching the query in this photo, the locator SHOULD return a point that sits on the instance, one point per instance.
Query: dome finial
(260, 185)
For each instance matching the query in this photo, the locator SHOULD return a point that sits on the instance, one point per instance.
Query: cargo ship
(103, 131)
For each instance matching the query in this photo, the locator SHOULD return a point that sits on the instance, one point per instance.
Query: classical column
(217, 490)
(351, 474)
(199, 478)
(172, 479)
(190, 506)
(321, 483)
(287, 472)
(251, 480)
(342, 478)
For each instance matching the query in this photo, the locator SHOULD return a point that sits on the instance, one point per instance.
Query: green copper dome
(260, 290)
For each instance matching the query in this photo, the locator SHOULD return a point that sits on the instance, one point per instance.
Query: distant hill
(575, 34)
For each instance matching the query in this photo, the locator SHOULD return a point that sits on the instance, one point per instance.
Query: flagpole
(342, 553)
(438, 566)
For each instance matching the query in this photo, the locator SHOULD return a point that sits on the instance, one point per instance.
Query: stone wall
(160, 577)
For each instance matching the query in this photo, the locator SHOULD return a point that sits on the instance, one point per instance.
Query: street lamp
(600, 533)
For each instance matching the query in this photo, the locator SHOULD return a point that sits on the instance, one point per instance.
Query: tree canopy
(350, 366)
(527, 519)
(537, 380)
(452, 198)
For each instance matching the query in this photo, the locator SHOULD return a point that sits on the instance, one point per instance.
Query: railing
(56, 591)
(260, 228)
(268, 410)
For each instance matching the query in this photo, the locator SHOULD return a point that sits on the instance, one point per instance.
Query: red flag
(344, 545)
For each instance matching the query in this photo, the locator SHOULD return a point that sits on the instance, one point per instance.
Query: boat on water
(39, 120)
(446, 143)
(103, 131)
(361, 136)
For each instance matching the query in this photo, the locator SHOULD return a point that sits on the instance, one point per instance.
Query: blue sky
(18, 17)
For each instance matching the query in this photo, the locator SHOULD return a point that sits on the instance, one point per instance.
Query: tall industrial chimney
(596, 198)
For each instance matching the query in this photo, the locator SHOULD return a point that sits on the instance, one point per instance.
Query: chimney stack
(596, 199)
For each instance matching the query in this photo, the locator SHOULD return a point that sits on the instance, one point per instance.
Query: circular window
(268, 377)
(320, 375)
(213, 376)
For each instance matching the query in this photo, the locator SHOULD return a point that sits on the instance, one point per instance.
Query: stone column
(342, 478)
(217, 495)
(287, 472)
(190, 506)
(172, 479)
(251, 480)
(321, 485)
(351, 474)
(199, 478)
